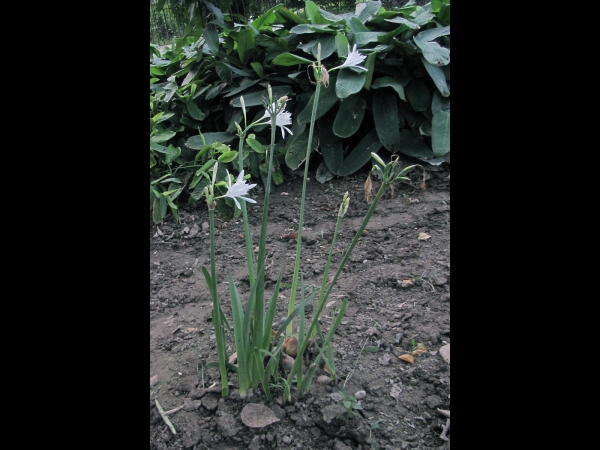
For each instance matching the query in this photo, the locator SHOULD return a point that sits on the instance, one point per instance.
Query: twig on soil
(445, 430)
(164, 416)
(445, 413)
(174, 410)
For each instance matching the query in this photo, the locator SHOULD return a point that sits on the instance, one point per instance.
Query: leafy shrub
(401, 104)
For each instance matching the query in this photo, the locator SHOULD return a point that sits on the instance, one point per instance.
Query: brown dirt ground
(398, 289)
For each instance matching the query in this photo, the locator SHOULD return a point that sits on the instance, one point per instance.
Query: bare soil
(398, 288)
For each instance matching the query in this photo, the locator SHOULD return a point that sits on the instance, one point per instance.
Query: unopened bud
(344, 205)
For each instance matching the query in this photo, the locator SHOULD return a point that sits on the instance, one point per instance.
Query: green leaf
(432, 51)
(212, 40)
(356, 26)
(195, 142)
(389, 82)
(370, 66)
(414, 146)
(296, 152)
(385, 116)
(288, 59)
(408, 23)
(258, 68)
(327, 98)
(438, 77)
(172, 154)
(349, 82)
(313, 14)
(440, 133)
(418, 95)
(312, 28)
(162, 136)
(341, 44)
(327, 46)
(255, 145)
(245, 44)
(194, 124)
(333, 155)
(350, 115)
(227, 157)
(217, 12)
(290, 16)
(360, 155)
(194, 111)
(364, 38)
(439, 103)
(163, 116)
(433, 33)
(371, 9)
(265, 20)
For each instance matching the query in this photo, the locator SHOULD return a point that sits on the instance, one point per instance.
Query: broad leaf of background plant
(162, 136)
(438, 77)
(327, 99)
(432, 51)
(356, 26)
(418, 95)
(414, 146)
(296, 152)
(289, 16)
(313, 14)
(366, 37)
(245, 44)
(440, 133)
(341, 44)
(327, 46)
(360, 155)
(217, 12)
(371, 9)
(439, 103)
(349, 82)
(389, 82)
(350, 115)
(385, 116)
(333, 155)
(194, 111)
(212, 40)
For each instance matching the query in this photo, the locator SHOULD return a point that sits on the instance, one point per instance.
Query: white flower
(239, 189)
(283, 118)
(353, 59)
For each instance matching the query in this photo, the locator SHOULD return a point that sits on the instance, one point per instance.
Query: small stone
(336, 397)
(331, 412)
(445, 352)
(440, 281)
(194, 231)
(323, 379)
(316, 432)
(359, 395)
(205, 226)
(256, 415)
(287, 440)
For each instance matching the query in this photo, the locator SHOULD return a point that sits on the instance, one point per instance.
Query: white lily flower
(353, 59)
(239, 189)
(283, 118)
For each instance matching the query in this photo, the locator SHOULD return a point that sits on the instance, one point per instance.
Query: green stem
(292, 302)
(219, 331)
(298, 363)
(247, 235)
